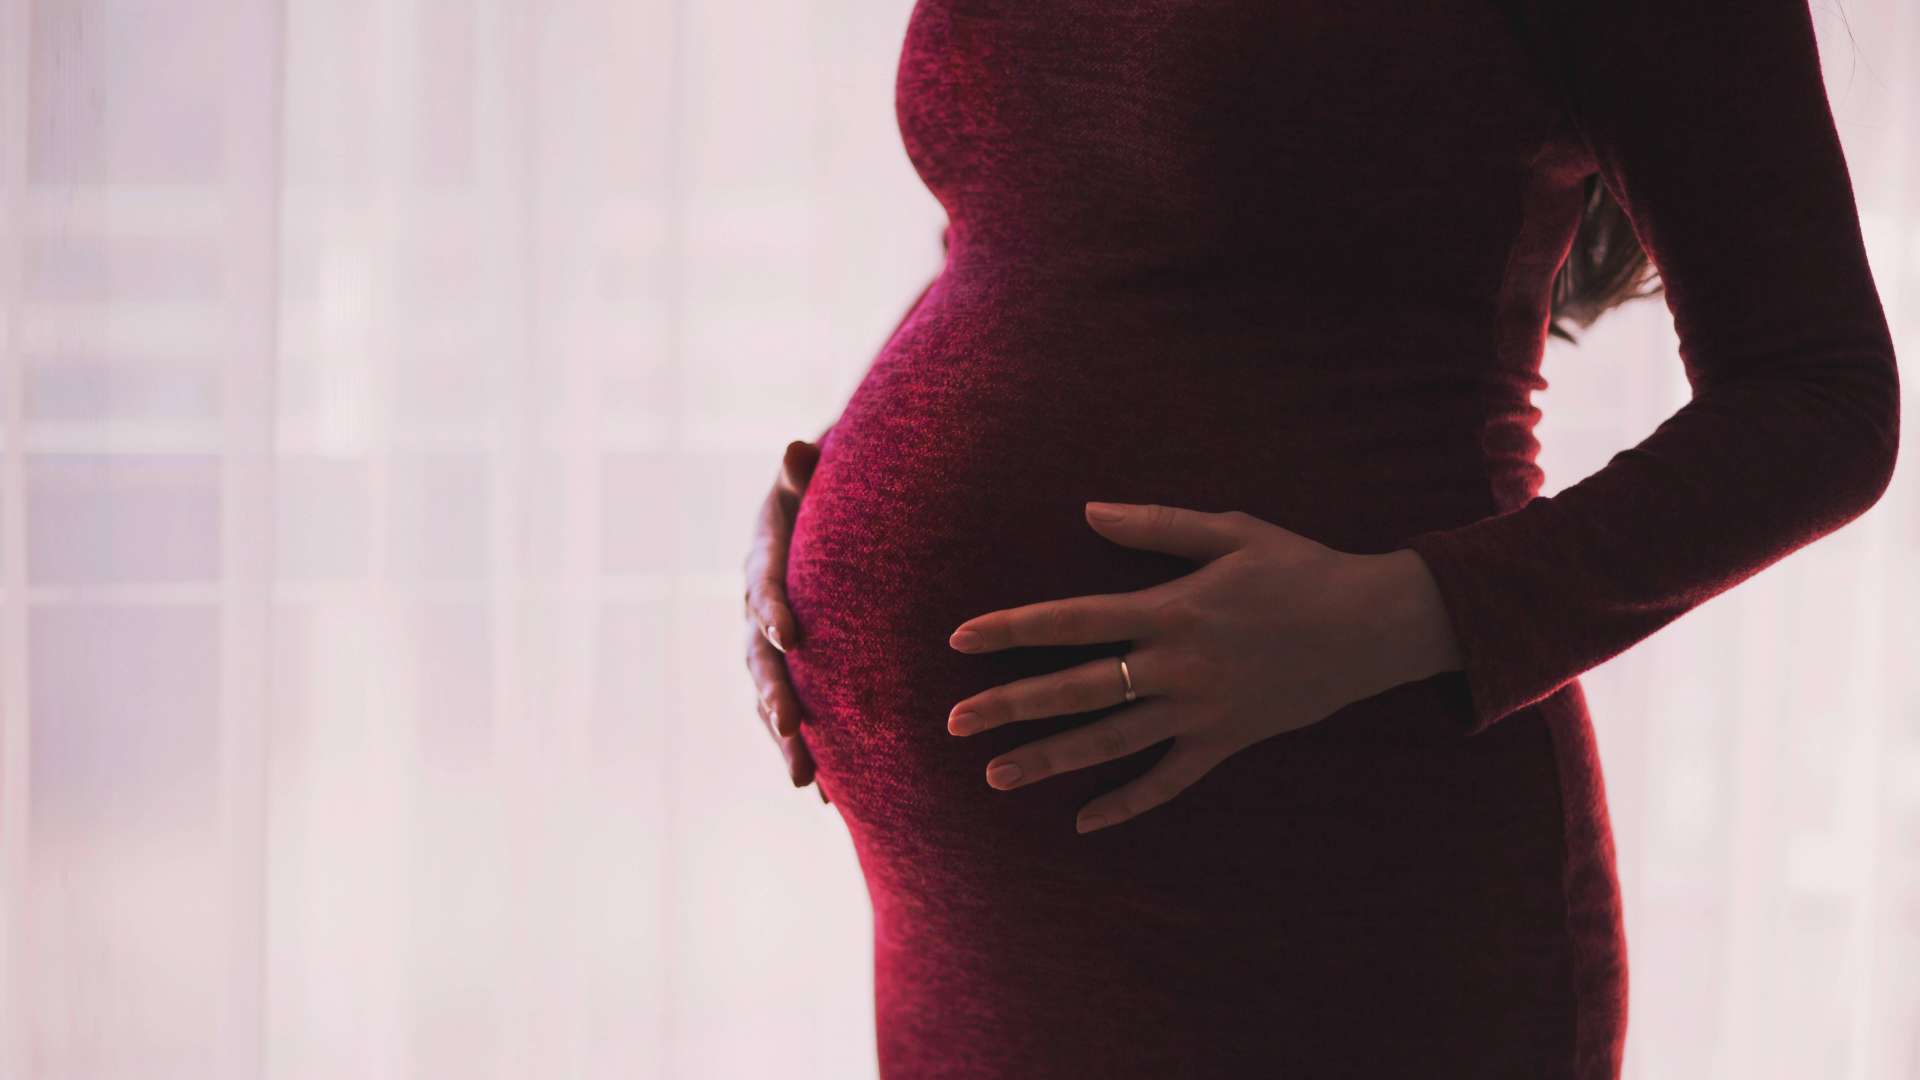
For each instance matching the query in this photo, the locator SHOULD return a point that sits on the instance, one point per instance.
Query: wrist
(1410, 617)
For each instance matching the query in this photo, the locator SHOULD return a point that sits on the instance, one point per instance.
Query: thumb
(796, 466)
(1191, 534)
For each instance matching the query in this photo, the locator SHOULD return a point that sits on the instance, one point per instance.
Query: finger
(1077, 620)
(766, 563)
(766, 574)
(1096, 684)
(796, 468)
(1125, 731)
(799, 760)
(772, 618)
(1183, 764)
(771, 684)
(1191, 534)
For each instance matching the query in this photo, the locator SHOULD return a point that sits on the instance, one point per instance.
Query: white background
(386, 390)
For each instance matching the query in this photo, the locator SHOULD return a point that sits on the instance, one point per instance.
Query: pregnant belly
(893, 549)
(953, 484)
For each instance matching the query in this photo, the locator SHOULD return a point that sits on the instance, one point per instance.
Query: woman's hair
(1606, 267)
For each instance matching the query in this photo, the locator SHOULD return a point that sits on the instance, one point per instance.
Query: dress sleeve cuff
(1504, 642)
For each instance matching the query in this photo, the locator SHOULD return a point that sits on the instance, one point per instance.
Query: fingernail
(773, 717)
(1004, 775)
(964, 723)
(1107, 512)
(823, 793)
(1089, 823)
(773, 637)
(964, 640)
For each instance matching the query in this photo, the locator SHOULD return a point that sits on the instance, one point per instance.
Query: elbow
(1887, 457)
(1874, 477)
(1877, 451)
(1854, 407)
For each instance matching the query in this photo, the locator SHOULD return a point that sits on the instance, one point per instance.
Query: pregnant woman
(1172, 615)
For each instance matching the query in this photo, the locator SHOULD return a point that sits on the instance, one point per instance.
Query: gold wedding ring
(1127, 675)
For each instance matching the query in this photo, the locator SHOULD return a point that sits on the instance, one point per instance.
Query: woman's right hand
(771, 629)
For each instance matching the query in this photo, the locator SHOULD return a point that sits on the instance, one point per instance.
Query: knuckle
(1177, 614)
(1062, 620)
(1160, 516)
(1083, 690)
(1025, 703)
(1111, 741)
(994, 708)
(1097, 690)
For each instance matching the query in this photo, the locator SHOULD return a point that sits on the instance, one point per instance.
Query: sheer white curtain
(386, 390)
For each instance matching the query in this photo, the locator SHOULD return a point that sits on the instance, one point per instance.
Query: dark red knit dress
(1293, 259)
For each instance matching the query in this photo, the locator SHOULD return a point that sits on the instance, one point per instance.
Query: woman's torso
(1288, 259)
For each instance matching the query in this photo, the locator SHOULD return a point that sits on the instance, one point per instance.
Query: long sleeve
(1711, 126)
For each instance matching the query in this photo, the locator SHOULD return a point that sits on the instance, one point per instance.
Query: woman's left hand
(1274, 632)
